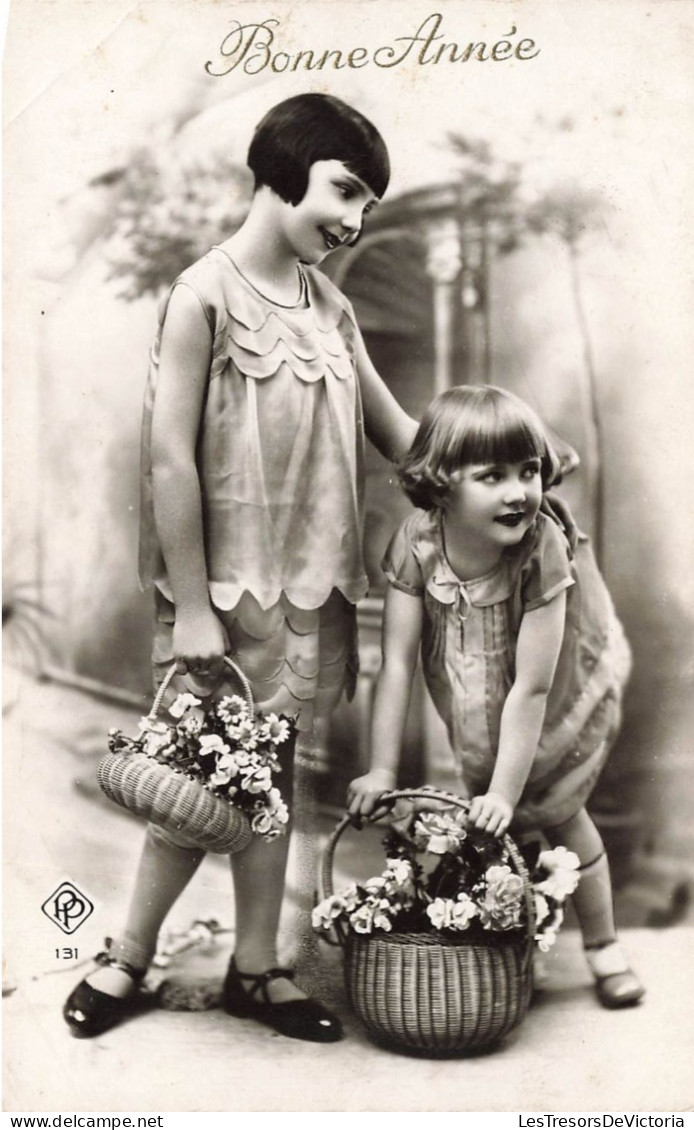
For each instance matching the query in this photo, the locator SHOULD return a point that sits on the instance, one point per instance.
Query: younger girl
(259, 395)
(522, 651)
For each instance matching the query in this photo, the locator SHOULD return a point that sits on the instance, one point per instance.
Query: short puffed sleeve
(400, 564)
(548, 570)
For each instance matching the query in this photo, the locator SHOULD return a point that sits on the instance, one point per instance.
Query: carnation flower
(502, 904)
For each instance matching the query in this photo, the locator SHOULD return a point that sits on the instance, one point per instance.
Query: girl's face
(496, 503)
(331, 213)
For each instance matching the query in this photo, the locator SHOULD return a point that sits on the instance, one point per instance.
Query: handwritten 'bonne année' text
(252, 48)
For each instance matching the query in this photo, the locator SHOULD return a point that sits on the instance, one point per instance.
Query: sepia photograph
(348, 674)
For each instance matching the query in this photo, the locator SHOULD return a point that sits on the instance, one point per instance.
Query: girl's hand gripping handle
(200, 643)
(363, 792)
(491, 813)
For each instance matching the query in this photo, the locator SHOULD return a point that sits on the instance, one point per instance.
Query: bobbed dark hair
(472, 424)
(315, 127)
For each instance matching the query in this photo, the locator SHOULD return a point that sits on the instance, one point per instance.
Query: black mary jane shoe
(89, 1012)
(303, 1019)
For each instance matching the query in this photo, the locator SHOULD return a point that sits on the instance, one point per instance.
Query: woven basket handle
(248, 694)
(389, 798)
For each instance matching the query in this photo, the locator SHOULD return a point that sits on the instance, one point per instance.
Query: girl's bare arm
(402, 630)
(186, 346)
(387, 425)
(537, 651)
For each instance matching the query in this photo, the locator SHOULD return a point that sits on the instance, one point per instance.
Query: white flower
(375, 884)
(371, 916)
(212, 743)
(182, 703)
(256, 780)
(548, 936)
(323, 915)
(276, 807)
(232, 709)
(152, 726)
(449, 914)
(225, 769)
(245, 733)
(541, 908)
(263, 825)
(464, 909)
(274, 729)
(154, 742)
(398, 875)
(563, 875)
(438, 832)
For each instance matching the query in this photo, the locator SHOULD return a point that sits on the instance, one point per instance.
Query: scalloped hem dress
(280, 460)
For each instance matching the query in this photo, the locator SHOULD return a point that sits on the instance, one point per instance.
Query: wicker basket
(171, 799)
(431, 994)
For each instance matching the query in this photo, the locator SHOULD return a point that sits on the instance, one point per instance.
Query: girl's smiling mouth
(514, 519)
(331, 241)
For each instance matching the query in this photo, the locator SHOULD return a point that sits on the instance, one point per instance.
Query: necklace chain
(285, 306)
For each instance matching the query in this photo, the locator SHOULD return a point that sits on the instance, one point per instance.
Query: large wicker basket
(171, 799)
(431, 994)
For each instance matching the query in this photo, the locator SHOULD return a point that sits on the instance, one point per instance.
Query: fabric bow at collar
(445, 587)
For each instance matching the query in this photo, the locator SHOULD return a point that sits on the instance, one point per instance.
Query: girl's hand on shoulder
(200, 643)
(491, 813)
(363, 792)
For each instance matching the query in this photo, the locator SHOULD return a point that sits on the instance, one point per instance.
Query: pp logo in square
(67, 907)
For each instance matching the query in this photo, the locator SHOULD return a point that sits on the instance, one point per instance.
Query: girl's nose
(515, 491)
(352, 219)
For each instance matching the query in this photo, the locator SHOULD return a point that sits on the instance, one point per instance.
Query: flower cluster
(231, 751)
(471, 885)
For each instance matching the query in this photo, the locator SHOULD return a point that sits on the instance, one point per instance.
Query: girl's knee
(578, 833)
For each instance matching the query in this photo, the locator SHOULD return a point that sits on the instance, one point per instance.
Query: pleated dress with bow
(468, 649)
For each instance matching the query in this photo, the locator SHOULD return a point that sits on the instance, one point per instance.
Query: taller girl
(259, 396)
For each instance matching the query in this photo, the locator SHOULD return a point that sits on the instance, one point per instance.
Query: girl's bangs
(502, 441)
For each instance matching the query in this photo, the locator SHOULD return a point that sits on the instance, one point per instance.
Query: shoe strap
(260, 981)
(607, 960)
(105, 958)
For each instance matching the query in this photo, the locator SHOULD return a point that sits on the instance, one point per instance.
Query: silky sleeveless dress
(280, 461)
(468, 650)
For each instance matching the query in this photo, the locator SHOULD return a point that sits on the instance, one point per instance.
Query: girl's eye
(346, 191)
(491, 477)
(530, 472)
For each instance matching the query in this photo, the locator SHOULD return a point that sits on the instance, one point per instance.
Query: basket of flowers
(438, 947)
(206, 773)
